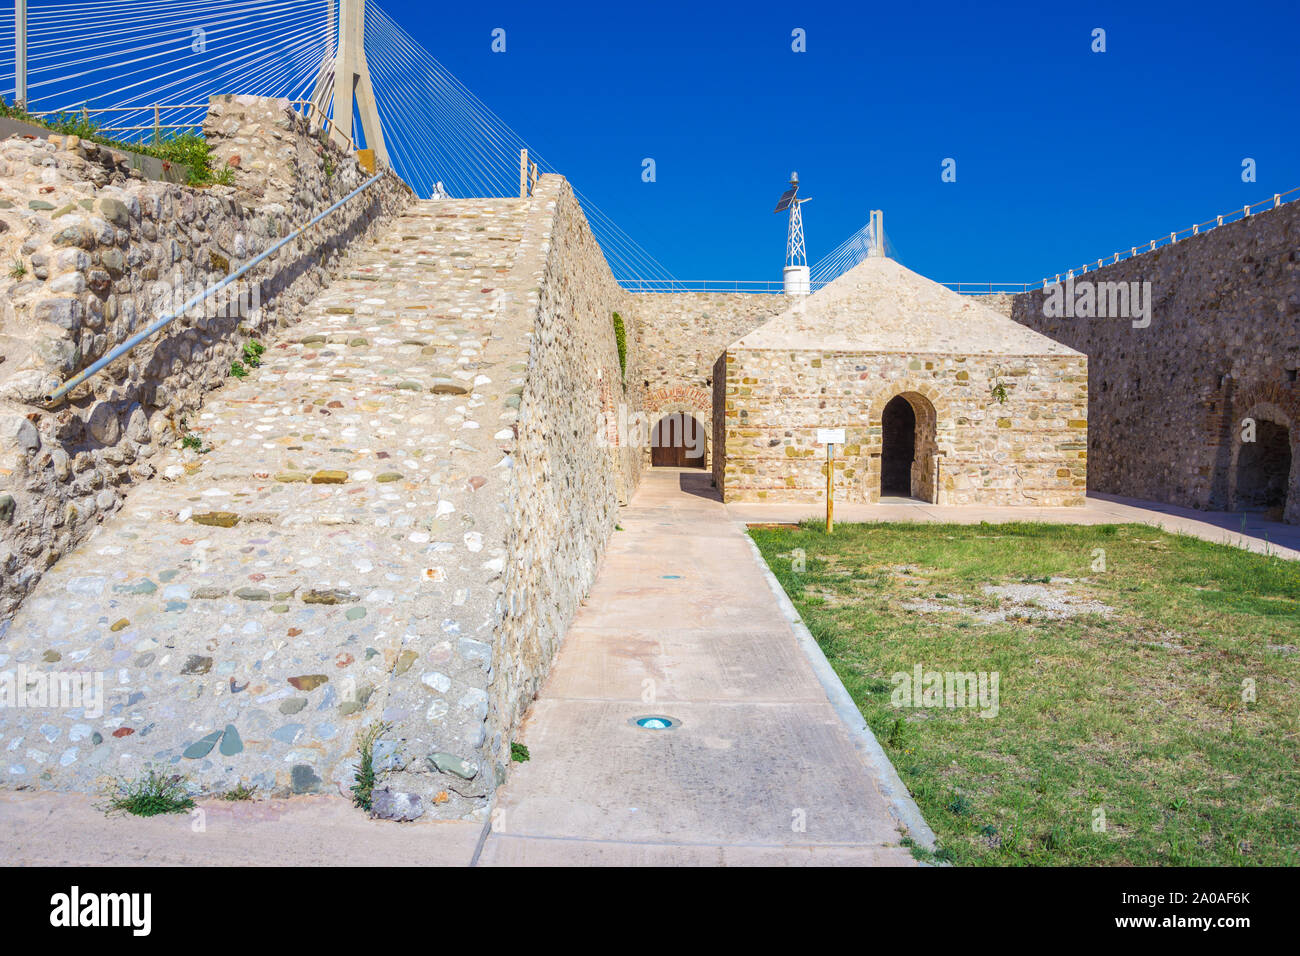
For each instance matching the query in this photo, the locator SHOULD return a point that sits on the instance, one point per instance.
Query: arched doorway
(898, 447)
(678, 440)
(1264, 468)
(908, 449)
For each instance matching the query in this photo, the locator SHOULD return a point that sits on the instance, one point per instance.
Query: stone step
(327, 560)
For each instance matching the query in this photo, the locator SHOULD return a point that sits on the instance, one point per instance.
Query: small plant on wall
(998, 389)
(620, 336)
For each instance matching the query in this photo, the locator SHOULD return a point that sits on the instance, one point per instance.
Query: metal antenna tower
(796, 275)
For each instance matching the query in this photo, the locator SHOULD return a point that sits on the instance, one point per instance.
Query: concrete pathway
(1223, 527)
(68, 829)
(681, 622)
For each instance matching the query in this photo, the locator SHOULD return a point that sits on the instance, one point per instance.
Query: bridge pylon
(344, 81)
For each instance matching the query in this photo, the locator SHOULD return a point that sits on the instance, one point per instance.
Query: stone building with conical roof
(941, 399)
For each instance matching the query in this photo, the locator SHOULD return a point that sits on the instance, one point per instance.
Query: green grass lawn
(1126, 732)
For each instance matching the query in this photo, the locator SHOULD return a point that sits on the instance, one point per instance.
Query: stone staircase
(330, 558)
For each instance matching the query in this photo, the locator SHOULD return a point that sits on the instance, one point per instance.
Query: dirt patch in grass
(1018, 601)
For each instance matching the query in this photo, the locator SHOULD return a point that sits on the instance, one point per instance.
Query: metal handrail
(988, 288)
(166, 320)
(637, 284)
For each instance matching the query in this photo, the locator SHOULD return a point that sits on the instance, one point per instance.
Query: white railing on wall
(1153, 244)
(972, 288)
(989, 288)
(744, 286)
(637, 284)
(134, 123)
(776, 285)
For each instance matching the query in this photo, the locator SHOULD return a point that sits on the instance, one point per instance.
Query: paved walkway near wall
(681, 613)
(1223, 527)
(69, 829)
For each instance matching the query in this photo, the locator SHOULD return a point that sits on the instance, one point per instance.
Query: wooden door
(678, 441)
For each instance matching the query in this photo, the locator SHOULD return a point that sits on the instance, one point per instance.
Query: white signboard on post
(830, 436)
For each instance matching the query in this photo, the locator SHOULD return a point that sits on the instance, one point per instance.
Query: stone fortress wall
(681, 335)
(89, 248)
(570, 468)
(559, 472)
(93, 241)
(1167, 401)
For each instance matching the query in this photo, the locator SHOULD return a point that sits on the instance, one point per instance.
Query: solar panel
(787, 197)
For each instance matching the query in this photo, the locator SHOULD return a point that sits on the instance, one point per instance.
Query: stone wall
(569, 470)
(971, 448)
(93, 254)
(1168, 399)
(532, 489)
(681, 335)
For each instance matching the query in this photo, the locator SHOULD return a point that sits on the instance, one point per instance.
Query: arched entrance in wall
(678, 439)
(908, 447)
(898, 447)
(1264, 468)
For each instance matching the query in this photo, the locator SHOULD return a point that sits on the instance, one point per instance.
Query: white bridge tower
(344, 80)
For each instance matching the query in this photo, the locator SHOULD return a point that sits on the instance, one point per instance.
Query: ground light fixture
(655, 722)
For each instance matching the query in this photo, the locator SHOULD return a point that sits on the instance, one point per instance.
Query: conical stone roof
(879, 306)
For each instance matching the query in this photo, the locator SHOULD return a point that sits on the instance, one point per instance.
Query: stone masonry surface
(1000, 412)
(92, 254)
(681, 335)
(1167, 401)
(392, 520)
(1032, 450)
(568, 478)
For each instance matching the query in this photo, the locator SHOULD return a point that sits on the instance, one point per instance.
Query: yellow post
(366, 159)
(830, 487)
(523, 174)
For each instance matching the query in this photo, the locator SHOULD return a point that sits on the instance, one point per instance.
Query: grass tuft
(620, 339)
(366, 777)
(154, 792)
(253, 351)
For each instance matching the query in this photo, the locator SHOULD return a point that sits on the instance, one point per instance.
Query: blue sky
(1063, 155)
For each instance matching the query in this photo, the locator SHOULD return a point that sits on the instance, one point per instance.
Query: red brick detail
(681, 396)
